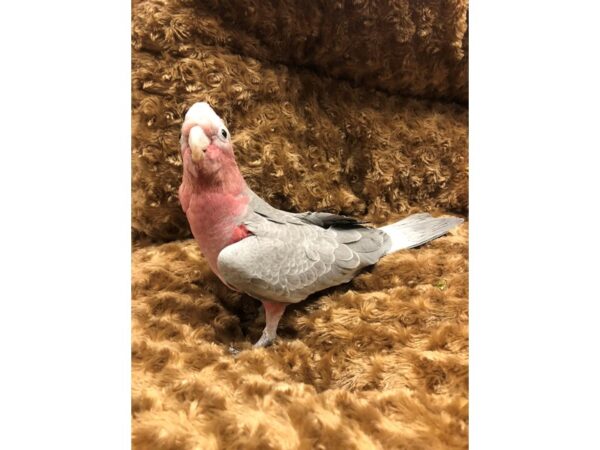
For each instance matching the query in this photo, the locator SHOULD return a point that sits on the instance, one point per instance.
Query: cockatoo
(272, 255)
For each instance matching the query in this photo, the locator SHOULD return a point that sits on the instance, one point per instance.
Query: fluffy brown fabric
(303, 141)
(379, 363)
(411, 47)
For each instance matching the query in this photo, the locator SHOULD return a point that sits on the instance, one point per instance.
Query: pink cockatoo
(272, 255)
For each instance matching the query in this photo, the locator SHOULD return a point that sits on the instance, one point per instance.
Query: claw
(264, 341)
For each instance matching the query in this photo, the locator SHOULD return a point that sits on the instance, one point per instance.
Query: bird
(275, 256)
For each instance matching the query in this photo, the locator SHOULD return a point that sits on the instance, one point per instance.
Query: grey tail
(418, 229)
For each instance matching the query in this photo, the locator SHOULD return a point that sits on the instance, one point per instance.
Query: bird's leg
(273, 312)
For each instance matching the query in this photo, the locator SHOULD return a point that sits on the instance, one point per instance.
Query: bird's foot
(265, 340)
(273, 312)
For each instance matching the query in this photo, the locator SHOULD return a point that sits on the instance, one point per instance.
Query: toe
(264, 341)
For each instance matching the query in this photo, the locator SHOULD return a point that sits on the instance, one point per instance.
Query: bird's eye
(223, 134)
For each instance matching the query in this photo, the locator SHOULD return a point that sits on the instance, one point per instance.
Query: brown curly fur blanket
(356, 107)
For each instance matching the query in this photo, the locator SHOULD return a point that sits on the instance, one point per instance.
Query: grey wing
(286, 261)
(261, 208)
(321, 219)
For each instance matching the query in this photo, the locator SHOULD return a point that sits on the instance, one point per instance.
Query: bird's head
(205, 142)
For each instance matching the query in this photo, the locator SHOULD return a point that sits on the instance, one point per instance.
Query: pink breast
(215, 220)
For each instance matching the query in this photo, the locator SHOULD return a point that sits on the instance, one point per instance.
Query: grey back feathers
(290, 256)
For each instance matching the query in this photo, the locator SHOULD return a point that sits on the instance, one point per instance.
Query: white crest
(202, 114)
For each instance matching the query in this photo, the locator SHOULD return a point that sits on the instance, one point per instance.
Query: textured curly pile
(355, 107)
(381, 363)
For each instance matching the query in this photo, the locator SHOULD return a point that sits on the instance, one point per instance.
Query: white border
(534, 252)
(65, 183)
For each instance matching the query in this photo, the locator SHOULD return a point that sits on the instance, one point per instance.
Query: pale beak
(198, 143)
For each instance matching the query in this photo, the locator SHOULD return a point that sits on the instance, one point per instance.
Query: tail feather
(418, 229)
